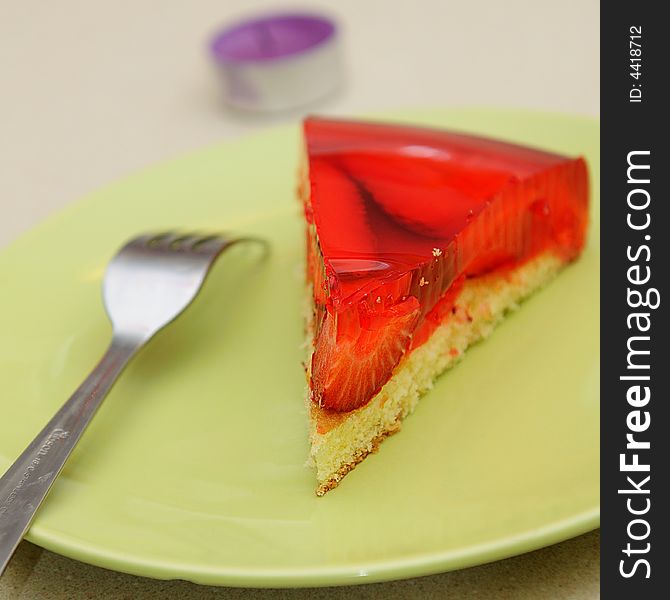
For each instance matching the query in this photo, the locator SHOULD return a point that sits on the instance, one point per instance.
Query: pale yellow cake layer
(339, 442)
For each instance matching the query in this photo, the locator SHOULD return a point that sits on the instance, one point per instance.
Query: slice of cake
(418, 243)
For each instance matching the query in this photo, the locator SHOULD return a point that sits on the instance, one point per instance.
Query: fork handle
(27, 482)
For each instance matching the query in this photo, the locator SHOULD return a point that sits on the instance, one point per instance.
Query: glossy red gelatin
(398, 217)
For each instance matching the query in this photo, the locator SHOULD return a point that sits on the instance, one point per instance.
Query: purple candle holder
(279, 61)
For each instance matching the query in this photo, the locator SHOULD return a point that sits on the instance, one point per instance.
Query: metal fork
(149, 282)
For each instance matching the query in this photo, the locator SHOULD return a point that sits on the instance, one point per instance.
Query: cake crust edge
(358, 458)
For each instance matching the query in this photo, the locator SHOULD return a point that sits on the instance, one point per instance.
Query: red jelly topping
(398, 217)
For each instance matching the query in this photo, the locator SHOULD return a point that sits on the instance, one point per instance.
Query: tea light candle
(278, 62)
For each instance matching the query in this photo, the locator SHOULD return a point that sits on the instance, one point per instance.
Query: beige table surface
(92, 90)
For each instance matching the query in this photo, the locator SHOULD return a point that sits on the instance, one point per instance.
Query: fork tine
(140, 241)
(219, 243)
(255, 240)
(161, 239)
(210, 243)
(181, 242)
(146, 240)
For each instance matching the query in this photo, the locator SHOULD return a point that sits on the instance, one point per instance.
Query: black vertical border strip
(634, 126)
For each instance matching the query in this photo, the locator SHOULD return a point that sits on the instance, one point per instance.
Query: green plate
(194, 466)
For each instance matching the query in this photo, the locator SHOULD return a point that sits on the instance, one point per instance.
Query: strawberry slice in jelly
(398, 218)
(353, 362)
